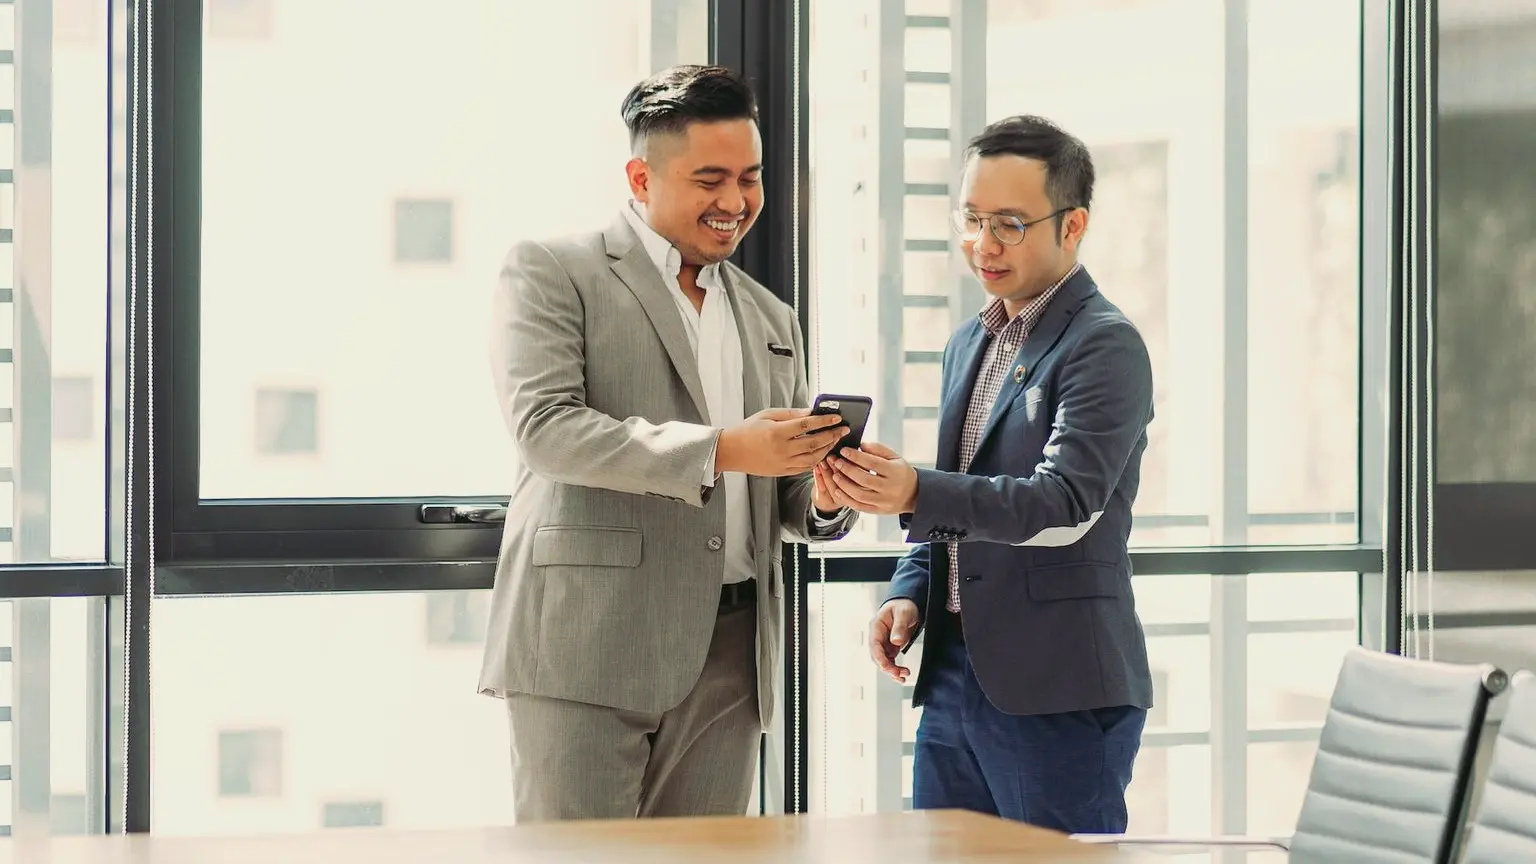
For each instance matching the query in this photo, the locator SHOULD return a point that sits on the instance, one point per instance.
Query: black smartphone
(853, 409)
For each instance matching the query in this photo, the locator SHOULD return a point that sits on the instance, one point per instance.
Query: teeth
(722, 226)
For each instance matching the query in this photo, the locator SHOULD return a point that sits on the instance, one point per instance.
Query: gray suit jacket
(1043, 515)
(611, 564)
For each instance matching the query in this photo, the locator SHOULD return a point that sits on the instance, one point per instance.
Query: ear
(639, 174)
(1074, 225)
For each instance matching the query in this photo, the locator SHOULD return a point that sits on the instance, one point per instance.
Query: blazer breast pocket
(782, 373)
(1031, 404)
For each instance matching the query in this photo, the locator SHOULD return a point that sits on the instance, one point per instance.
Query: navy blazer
(1043, 516)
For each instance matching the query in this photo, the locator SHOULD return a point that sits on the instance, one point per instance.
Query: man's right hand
(778, 442)
(889, 633)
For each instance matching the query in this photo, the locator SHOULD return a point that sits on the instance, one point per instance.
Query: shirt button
(715, 543)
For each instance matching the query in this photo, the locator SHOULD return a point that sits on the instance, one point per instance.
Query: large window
(330, 378)
(1225, 223)
(358, 182)
(245, 267)
(61, 212)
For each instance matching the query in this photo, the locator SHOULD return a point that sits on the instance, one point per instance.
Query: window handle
(459, 514)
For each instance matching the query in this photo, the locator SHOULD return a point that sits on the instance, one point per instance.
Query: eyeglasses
(1008, 230)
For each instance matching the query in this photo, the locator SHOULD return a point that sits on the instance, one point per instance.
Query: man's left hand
(824, 497)
(873, 479)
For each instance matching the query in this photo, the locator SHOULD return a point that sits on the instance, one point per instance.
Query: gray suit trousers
(572, 760)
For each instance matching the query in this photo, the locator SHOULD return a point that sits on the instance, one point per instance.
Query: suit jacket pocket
(1030, 403)
(586, 546)
(1075, 581)
(781, 379)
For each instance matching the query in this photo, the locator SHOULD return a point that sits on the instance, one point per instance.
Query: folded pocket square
(781, 350)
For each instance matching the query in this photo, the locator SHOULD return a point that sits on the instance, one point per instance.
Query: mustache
(725, 217)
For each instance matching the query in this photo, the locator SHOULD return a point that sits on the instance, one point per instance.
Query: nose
(986, 244)
(731, 201)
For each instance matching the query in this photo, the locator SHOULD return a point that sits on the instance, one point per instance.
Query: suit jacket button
(715, 543)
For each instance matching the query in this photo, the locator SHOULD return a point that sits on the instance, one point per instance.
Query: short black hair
(1068, 164)
(667, 102)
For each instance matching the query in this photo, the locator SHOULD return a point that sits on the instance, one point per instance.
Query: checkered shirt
(1006, 337)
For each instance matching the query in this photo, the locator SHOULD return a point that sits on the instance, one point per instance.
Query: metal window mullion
(106, 801)
(1376, 398)
(155, 31)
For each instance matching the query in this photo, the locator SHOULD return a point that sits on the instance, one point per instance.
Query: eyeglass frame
(991, 227)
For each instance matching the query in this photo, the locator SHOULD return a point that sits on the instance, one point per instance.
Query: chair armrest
(1227, 842)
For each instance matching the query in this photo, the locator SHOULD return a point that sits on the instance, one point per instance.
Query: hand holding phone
(854, 410)
(776, 442)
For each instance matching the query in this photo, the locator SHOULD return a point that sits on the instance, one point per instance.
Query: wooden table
(919, 837)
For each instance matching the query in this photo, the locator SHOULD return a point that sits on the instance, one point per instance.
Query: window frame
(165, 542)
(275, 543)
(1375, 554)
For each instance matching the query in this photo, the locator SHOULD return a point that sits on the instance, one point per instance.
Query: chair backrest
(1505, 828)
(1390, 781)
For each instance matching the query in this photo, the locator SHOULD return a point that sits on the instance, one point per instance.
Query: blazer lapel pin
(1018, 375)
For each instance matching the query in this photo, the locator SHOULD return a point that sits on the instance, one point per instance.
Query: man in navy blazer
(1034, 681)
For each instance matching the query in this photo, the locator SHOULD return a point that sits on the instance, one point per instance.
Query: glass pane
(308, 725)
(1163, 228)
(1486, 230)
(1479, 618)
(862, 725)
(1277, 782)
(52, 717)
(347, 358)
(1303, 215)
(55, 240)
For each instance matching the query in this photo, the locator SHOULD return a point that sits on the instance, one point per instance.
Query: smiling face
(701, 188)
(1008, 187)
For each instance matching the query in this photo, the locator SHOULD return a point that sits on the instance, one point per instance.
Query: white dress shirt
(717, 346)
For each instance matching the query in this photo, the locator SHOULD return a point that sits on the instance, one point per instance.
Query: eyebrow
(718, 171)
(1006, 211)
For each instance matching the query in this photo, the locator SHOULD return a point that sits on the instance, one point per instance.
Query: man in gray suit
(656, 396)
(1034, 680)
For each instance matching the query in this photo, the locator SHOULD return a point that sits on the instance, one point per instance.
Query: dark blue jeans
(1067, 772)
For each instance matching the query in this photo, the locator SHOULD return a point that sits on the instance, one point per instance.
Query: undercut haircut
(667, 103)
(1068, 164)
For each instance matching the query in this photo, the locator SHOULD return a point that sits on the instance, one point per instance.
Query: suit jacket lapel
(957, 398)
(1040, 342)
(754, 368)
(631, 264)
(754, 344)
